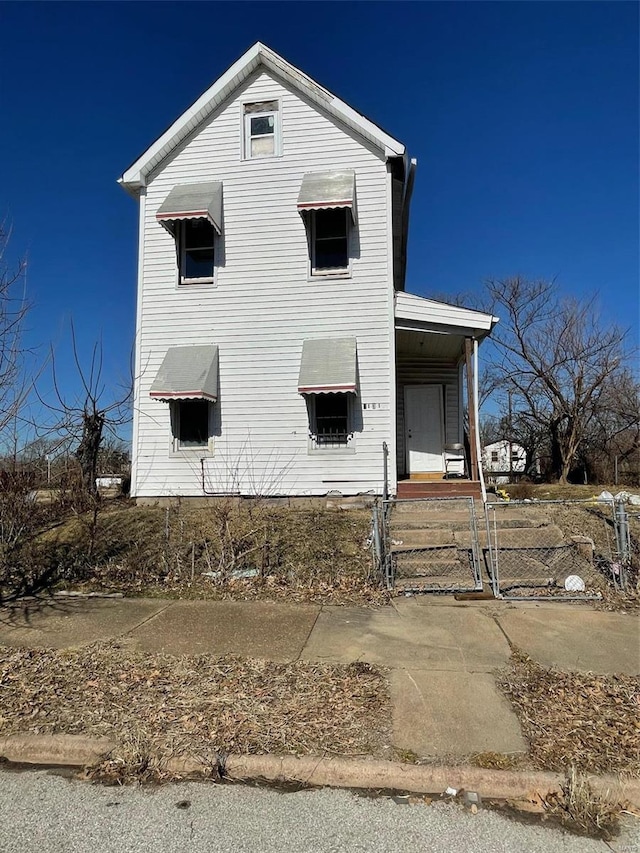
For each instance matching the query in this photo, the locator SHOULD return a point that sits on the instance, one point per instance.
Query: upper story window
(192, 214)
(197, 251)
(261, 130)
(327, 203)
(330, 241)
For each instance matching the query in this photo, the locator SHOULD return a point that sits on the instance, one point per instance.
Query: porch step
(427, 564)
(408, 539)
(439, 489)
(547, 536)
(441, 584)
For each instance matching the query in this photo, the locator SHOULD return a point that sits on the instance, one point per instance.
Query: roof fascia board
(411, 307)
(440, 329)
(135, 176)
(318, 93)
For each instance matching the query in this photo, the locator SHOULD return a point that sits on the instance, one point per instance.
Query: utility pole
(510, 436)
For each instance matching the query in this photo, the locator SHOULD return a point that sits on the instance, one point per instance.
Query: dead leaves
(576, 719)
(198, 705)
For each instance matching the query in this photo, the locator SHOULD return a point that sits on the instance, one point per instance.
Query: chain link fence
(428, 545)
(557, 549)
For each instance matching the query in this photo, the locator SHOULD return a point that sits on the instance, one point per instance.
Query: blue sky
(523, 118)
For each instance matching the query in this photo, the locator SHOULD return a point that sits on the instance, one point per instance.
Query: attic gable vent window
(261, 130)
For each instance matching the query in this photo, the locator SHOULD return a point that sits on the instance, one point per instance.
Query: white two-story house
(276, 349)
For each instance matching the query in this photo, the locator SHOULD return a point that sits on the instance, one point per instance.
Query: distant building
(108, 481)
(503, 458)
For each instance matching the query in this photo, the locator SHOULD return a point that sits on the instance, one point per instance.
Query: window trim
(342, 272)
(174, 417)
(245, 146)
(181, 252)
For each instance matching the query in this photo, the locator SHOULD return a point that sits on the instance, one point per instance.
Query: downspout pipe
(476, 408)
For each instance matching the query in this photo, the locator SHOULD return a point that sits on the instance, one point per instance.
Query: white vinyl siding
(264, 306)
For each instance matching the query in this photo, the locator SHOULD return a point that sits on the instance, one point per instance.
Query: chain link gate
(556, 550)
(428, 545)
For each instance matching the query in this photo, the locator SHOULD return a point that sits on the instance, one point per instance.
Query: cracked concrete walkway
(441, 653)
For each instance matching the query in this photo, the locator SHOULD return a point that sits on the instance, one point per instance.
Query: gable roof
(259, 54)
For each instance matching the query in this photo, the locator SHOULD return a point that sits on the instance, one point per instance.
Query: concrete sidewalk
(441, 654)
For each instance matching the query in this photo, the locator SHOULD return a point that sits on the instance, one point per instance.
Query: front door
(424, 428)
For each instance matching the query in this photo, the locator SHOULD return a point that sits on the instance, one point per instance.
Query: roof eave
(133, 178)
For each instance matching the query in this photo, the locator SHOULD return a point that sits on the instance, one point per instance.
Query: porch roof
(414, 313)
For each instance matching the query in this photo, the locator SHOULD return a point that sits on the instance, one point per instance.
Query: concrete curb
(55, 750)
(79, 751)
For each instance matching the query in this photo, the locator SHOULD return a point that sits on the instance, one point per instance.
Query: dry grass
(202, 552)
(198, 706)
(582, 810)
(559, 492)
(581, 720)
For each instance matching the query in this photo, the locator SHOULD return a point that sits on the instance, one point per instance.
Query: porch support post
(471, 409)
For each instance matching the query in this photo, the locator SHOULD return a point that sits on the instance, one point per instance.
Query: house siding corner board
(261, 308)
(423, 371)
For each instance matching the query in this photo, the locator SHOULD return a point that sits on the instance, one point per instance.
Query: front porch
(437, 447)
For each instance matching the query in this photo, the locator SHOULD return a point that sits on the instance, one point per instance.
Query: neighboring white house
(503, 458)
(275, 348)
(108, 481)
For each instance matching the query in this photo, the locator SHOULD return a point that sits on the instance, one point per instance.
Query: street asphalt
(49, 814)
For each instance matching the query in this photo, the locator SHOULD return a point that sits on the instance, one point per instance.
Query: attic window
(261, 130)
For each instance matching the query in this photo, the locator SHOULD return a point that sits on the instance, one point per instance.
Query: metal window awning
(192, 201)
(328, 366)
(187, 373)
(325, 190)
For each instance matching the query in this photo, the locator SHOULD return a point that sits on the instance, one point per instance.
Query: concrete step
(404, 538)
(428, 565)
(548, 536)
(432, 513)
(435, 582)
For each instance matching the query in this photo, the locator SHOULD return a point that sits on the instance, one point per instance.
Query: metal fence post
(385, 471)
(623, 541)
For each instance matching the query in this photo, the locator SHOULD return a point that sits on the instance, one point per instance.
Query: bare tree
(13, 311)
(557, 360)
(614, 431)
(89, 417)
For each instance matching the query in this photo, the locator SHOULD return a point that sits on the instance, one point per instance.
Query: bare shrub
(582, 809)
(521, 491)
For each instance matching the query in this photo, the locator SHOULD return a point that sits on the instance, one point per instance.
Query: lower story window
(330, 420)
(191, 424)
